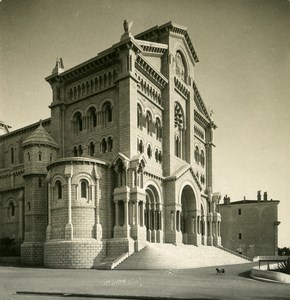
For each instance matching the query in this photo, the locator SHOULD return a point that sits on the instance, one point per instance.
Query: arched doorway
(153, 215)
(189, 219)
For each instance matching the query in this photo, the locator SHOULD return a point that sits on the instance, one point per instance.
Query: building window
(75, 151)
(107, 108)
(39, 182)
(240, 236)
(196, 155)
(39, 156)
(177, 146)
(139, 116)
(58, 186)
(239, 211)
(158, 129)
(202, 158)
(156, 155)
(78, 122)
(140, 146)
(91, 149)
(110, 144)
(28, 156)
(11, 210)
(178, 116)
(51, 157)
(84, 189)
(12, 154)
(148, 122)
(80, 150)
(160, 157)
(180, 67)
(93, 117)
(104, 146)
(149, 151)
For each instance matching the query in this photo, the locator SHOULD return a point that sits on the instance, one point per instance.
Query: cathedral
(124, 160)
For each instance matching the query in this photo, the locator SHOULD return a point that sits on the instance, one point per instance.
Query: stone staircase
(169, 256)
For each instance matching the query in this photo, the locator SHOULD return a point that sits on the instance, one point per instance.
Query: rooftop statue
(127, 26)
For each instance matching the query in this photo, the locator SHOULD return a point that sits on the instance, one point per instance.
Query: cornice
(76, 161)
(200, 101)
(17, 170)
(102, 60)
(145, 68)
(156, 31)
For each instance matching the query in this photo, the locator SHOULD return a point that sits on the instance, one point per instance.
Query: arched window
(51, 157)
(178, 116)
(160, 157)
(202, 159)
(12, 155)
(93, 117)
(148, 122)
(39, 156)
(139, 116)
(149, 151)
(110, 144)
(180, 66)
(78, 121)
(80, 150)
(158, 129)
(156, 155)
(196, 155)
(177, 146)
(84, 188)
(58, 187)
(91, 149)
(11, 209)
(141, 146)
(39, 182)
(75, 151)
(107, 108)
(104, 146)
(28, 156)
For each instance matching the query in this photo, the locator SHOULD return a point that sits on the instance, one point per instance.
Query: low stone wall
(264, 273)
(73, 254)
(10, 260)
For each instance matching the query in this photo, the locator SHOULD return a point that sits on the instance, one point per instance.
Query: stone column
(21, 214)
(116, 213)
(69, 226)
(98, 226)
(48, 229)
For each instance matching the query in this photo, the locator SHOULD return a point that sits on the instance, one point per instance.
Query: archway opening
(188, 216)
(153, 215)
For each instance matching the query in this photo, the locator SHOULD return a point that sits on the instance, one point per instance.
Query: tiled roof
(40, 137)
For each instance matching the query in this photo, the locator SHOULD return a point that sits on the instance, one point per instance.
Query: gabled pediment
(137, 161)
(179, 173)
(154, 33)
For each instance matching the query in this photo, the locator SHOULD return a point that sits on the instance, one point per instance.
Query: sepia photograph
(145, 149)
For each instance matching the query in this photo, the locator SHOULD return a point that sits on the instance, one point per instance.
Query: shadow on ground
(246, 274)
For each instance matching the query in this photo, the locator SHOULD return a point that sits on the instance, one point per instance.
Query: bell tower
(39, 149)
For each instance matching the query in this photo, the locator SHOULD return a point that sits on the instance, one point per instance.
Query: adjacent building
(124, 160)
(250, 227)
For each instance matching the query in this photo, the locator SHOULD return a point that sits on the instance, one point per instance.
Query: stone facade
(124, 160)
(250, 227)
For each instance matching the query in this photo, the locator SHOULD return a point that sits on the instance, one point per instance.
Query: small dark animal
(220, 271)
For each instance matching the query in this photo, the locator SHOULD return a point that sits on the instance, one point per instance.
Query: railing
(272, 259)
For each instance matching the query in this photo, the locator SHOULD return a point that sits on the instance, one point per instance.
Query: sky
(243, 74)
